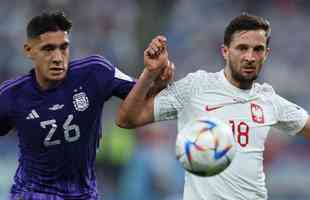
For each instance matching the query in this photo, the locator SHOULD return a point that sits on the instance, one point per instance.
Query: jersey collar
(37, 86)
(249, 93)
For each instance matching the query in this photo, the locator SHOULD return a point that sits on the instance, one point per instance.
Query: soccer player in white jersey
(232, 95)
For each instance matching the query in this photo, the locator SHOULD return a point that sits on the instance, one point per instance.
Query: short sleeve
(121, 84)
(291, 117)
(171, 100)
(111, 81)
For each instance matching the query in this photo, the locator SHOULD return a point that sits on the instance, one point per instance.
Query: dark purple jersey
(59, 129)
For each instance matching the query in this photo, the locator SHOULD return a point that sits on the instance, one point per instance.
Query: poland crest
(80, 101)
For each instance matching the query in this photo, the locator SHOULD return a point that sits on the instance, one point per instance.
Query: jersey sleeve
(121, 84)
(291, 118)
(111, 81)
(5, 123)
(172, 100)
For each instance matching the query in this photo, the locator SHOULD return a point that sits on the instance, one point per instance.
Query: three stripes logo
(33, 115)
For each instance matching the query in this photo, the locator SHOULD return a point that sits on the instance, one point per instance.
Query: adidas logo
(56, 107)
(33, 115)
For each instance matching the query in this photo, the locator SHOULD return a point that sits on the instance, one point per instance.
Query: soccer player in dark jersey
(56, 110)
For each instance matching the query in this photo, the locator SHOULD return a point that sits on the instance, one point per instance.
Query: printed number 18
(242, 131)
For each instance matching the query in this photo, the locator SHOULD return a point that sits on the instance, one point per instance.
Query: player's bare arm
(163, 73)
(306, 129)
(137, 109)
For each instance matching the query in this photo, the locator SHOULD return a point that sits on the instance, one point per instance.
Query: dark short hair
(246, 22)
(48, 22)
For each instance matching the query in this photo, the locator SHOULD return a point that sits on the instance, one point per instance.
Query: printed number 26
(74, 136)
(242, 131)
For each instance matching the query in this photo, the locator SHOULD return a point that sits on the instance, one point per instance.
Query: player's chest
(57, 105)
(250, 120)
(253, 111)
(54, 118)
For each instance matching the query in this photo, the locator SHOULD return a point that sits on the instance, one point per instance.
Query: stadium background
(140, 164)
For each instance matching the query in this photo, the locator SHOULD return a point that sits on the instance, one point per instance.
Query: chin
(251, 76)
(58, 78)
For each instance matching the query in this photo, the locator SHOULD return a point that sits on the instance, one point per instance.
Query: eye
(64, 46)
(259, 49)
(48, 48)
(242, 47)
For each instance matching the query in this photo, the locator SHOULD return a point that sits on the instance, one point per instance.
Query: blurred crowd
(140, 164)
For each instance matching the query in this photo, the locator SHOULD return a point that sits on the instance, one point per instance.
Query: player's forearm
(137, 108)
(306, 129)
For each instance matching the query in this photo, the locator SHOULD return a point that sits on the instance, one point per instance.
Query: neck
(242, 84)
(46, 84)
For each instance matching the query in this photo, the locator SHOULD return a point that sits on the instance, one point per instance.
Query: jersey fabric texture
(251, 113)
(59, 129)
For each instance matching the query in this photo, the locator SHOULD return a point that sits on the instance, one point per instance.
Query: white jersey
(250, 113)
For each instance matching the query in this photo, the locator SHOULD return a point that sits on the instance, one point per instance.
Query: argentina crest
(80, 101)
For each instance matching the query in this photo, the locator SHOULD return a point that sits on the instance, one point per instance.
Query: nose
(57, 57)
(249, 56)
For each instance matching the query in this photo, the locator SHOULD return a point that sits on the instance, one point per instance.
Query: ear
(27, 50)
(268, 50)
(267, 54)
(224, 51)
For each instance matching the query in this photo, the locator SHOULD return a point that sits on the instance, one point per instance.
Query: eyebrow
(54, 46)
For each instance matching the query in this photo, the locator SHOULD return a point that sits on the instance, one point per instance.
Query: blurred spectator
(116, 149)
(153, 173)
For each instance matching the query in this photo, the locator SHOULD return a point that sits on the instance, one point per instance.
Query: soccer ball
(205, 146)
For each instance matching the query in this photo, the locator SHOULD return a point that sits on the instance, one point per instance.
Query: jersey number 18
(241, 131)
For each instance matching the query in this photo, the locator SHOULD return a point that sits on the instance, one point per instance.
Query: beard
(245, 81)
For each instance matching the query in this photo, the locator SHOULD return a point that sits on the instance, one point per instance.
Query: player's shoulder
(264, 89)
(14, 83)
(204, 79)
(90, 63)
(203, 75)
(199, 81)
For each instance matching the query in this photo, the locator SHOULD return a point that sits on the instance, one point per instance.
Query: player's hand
(167, 73)
(156, 58)
(161, 82)
(165, 77)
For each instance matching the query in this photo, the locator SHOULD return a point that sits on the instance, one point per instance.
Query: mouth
(57, 70)
(249, 69)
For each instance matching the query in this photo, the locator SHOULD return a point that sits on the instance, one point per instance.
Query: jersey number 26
(69, 137)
